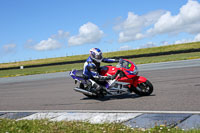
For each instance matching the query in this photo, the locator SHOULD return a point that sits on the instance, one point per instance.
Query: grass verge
(69, 67)
(194, 45)
(46, 126)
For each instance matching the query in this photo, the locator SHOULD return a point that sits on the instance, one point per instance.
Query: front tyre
(143, 89)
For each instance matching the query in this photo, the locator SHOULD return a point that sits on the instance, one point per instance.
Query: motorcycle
(126, 81)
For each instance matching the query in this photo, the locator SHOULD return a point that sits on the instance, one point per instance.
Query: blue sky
(36, 29)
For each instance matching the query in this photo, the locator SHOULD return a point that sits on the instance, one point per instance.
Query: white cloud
(197, 38)
(187, 20)
(61, 35)
(125, 47)
(183, 41)
(8, 48)
(137, 27)
(131, 28)
(88, 33)
(49, 44)
(56, 41)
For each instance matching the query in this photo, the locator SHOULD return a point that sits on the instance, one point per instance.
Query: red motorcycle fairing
(130, 78)
(108, 70)
(137, 80)
(133, 80)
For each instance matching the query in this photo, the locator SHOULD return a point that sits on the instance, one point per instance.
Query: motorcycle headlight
(135, 72)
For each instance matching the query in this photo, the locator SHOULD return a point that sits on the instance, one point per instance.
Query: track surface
(175, 89)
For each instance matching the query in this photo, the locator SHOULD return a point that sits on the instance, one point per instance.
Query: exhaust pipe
(84, 91)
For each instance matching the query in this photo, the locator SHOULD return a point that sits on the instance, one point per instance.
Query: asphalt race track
(176, 88)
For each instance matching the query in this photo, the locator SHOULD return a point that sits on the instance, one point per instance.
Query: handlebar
(121, 74)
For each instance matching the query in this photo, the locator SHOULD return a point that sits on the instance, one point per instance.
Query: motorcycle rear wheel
(144, 89)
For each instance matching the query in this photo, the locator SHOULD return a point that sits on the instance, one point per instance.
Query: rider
(91, 68)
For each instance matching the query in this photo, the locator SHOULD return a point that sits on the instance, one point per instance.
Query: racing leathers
(91, 71)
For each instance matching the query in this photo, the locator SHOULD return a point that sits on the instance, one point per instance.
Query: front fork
(138, 79)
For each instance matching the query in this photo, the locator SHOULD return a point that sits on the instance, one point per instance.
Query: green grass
(165, 58)
(69, 67)
(167, 48)
(46, 126)
(186, 46)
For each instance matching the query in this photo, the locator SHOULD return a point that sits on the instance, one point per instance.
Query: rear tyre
(143, 89)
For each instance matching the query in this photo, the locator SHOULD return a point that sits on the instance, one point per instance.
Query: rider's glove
(103, 78)
(108, 78)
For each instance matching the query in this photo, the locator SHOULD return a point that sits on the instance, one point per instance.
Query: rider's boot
(98, 88)
(94, 86)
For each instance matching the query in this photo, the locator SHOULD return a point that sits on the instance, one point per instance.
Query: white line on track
(103, 111)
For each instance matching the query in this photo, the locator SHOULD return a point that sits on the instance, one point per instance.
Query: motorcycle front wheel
(143, 89)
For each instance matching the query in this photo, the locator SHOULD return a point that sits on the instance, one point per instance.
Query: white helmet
(96, 54)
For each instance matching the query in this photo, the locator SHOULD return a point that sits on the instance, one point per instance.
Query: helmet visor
(99, 56)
